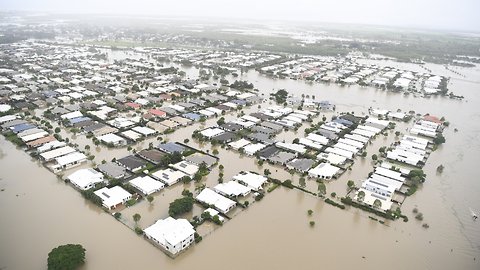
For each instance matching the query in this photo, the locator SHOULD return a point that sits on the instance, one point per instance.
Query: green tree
(374, 157)
(180, 206)
(215, 151)
(377, 203)
(322, 189)
(220, 167)
(66, 257)
(310, 212)
(361, 196)
(439, 139)
(221, 121)
(266, 172)
(136, 217)
(350, 184)
(150, 198)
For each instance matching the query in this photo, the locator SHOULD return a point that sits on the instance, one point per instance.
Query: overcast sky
(439, 14)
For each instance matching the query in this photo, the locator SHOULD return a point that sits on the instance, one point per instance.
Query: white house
(232, 188)
(221, 203)
(186, 167)
(324, 171)
(251, 180)
(146, 185)
(113, 197)
(168, 176)
(174, 235)
(85, 178)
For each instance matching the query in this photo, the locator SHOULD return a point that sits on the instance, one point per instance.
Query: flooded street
(39, 212)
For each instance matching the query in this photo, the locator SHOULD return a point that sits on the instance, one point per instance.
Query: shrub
(66, 257)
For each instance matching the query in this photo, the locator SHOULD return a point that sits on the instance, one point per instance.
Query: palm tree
(377, 203)
(136, 217)
(361, 196)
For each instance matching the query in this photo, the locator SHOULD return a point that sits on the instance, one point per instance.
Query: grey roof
(282, 157)
(171, 147)
(264, 130)
(152, 155)
(225, 137)
(268, 151)
(231, 127)
(199, 158)
(327, 133)
(301, 164)
(261, 137)
(112, 169)
(132, 162)
(271, 125)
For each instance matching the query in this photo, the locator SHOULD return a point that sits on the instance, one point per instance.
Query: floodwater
(39, 212)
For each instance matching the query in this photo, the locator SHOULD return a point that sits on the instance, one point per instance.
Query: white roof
(310, 143)
(318, 138)
(50, 145)
(239, 144)
(57, 152)
(70, 158)
(113, 196)
(292, 146)
(144, 130)
(31, 137)
(389, 173)
(170, 230)
(212, 132)
(370, 198)
(72, 115)
(332, 158)
(324, 170)
(168, 176)
(85, 177)
(220, 202)
(351, 142)
(131, 135)
(251, 149)
(346, 147)
(340, 152)
(185, 167)
(356, 137)
(252, 180)
(369, 128)
(7, 118)
(232, 188)
(111, 138)
(364, 133)
(146, 184)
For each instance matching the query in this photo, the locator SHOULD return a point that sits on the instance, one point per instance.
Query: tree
(322, 189)
(439, 139)
(180, 206)
(374, 157)
(361, 196)
(57, 130)
(150, 198)
(310, 212)
(220, 167)
(350, 184)
(377, 203)
(266, 172)
(296, 140)
(221, 121)
(215, 152)
(136, 217)
(66, 257)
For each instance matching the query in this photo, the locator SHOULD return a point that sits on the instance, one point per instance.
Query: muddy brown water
(39, 212)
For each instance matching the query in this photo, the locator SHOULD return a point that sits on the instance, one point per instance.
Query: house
(211, 132)
(171, 148)
(132, 163)
(152, 155)
(253, 148)
(324, 171)
(199, 159)
(112, 170)
(146, 185)
(112, 139)
(300, 164)
(173, 235)
(68, 161)
(113, 197)
(225, 137)
(239, 144)
(186, 167)
(85, 179)
(52, 154)
(251, 180)
(232, 188)
(221, 203)
(282, 157)
(169, 176)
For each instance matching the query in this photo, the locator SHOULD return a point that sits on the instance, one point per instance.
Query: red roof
(157, 112)
(133, 105)
(432, 119)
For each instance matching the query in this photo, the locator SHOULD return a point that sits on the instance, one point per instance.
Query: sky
(434, 14)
